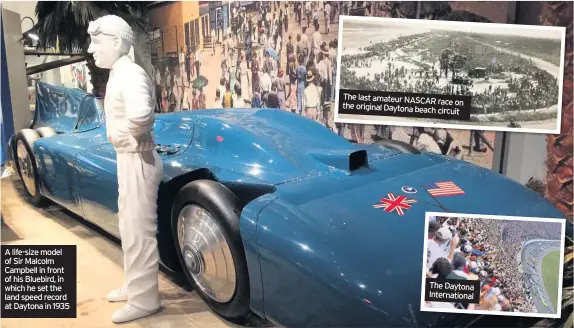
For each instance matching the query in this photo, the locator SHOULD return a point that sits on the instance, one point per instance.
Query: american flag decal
(447, 188)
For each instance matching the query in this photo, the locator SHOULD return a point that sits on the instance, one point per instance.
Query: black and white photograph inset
(494, 265)
(461, 75)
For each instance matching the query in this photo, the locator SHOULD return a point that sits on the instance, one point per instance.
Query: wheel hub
(26, 169)
(206, 254)
(193, 260)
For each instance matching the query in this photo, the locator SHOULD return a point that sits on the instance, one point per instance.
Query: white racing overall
(129, 105)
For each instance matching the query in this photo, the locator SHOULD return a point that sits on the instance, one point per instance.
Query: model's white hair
(115, 26)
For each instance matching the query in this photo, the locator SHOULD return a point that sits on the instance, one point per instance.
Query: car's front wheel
(205, 227)
(26, 164)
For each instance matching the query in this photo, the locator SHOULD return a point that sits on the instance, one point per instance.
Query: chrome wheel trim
(206, 254)
(26, 168)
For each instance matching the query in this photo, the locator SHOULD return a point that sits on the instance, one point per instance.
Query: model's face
(105, 50)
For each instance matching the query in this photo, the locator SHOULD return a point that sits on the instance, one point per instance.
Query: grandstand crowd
(488, 250)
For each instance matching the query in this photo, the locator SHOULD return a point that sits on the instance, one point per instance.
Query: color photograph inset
(481, 76)
(493, 265)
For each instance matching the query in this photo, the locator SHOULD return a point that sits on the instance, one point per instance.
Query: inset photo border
(456, 75)
(510, 260)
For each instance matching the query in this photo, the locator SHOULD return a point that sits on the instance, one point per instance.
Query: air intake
(348, 160)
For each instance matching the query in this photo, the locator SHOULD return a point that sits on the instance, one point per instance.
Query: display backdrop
(175, 91)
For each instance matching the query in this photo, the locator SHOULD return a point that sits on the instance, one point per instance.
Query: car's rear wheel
(205, 227)
(26, 165)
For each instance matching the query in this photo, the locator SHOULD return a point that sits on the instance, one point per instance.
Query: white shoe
(130, 313)
(118, 295)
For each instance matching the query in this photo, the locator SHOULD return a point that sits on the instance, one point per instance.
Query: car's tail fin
(56, 107)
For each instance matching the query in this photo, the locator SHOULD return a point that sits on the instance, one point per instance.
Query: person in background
(227, 101)
(225, 60)
(488, 298)
(322, 81)
(415, 135)
(280, 25)
(267, 62)
(238, 101)
(458, 264)
(272, 29)
(185, 101)
(255, 81)
(478, 141)
(280, 84)
(316, 18)
(272, 97)
(290, 55)
(441, 269)
(265, 83)
(333, 56)
(182, 68)
(230, 41)
(248, 49)
(164, 102)
(312, 97)
(327, 17)
(201, 99)
(256, 100)
(217, 102)
(221, 87)
(286, 21)
(433, 228)
(329, 65)
(213, 39)
(436, 247)
(308, 13)
(301, 74)
(336, 12)
(194, 99)
(316, 41)
(278, 48)
(244, 77)
(262, 44)
(191, 64)
(305, 45)
(298, 47)
(233, 72)
(158, 89)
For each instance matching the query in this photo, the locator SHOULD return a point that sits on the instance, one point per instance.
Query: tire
(208, 201)
(46, 132)
(398, 146)
(26, 165)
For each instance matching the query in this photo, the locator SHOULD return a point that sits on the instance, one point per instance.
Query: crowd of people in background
(254, 74)
(487, 250)
(283, 54)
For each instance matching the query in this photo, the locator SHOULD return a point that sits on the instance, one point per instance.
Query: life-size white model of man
(129, 107)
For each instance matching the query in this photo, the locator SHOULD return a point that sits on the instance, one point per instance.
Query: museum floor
(99, 270)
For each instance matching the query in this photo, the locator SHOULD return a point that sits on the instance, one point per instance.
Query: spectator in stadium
(459, 264)
(437, 247)
(433, 228)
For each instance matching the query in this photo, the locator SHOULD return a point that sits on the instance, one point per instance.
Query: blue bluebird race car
(267, 211)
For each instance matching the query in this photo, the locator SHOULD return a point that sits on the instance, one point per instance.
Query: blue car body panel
(318, 252)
